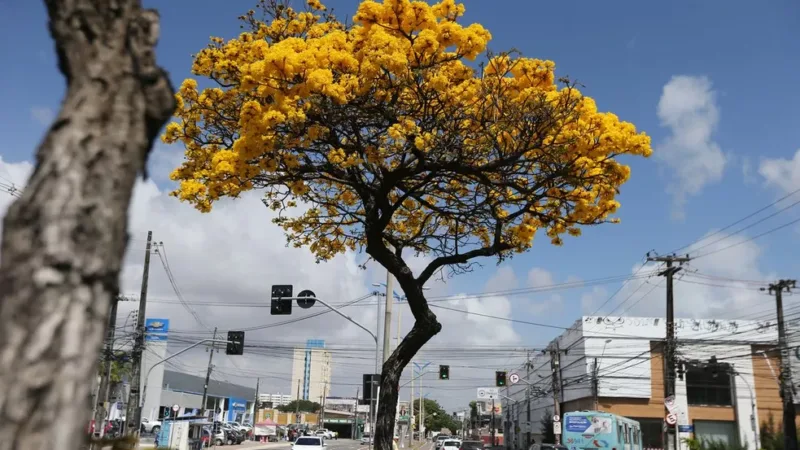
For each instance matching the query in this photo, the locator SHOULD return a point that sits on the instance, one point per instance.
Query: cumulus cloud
(782, 173)
(688, 108)
(538, 277)
(224, 264)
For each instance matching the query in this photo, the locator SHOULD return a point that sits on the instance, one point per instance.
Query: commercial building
(726, 382)
(229, 402)
(311, 372)
(275, 400)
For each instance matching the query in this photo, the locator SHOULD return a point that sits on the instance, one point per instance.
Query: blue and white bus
(596, 430)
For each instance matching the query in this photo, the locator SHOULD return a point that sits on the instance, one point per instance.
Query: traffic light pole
(157, 363)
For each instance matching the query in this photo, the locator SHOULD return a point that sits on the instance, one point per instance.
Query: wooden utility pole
(556, 377)
(105, 383)
(787, 393)
(670, 353)
(133, 415)
(208, 377)
(355, 417)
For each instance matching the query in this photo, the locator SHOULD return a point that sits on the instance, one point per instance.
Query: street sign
(686, 428)
(513, 378)
(175, 408)
(669, 403)
(671, 419)
(556, 427)
(306, 299)
(556, 418)
(488, 393)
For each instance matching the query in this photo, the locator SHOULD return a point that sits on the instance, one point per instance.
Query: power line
(750, 239)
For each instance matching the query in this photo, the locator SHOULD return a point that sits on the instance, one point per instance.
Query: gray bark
(64, 239)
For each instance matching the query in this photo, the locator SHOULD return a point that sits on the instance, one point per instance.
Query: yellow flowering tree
(389, 140)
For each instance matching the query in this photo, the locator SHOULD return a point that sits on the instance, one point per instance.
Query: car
(451, 444)
(366, 439)
(309, 443)
(471, 445)
(546, 447)
(439, 439)
(218, 438)
(151, 426)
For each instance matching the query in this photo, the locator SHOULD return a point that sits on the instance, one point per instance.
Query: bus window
(620, 432)
(627, 438)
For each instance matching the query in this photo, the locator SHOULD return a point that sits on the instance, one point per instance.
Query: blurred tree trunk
(64, 239)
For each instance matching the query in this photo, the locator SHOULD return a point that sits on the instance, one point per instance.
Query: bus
(595, 430)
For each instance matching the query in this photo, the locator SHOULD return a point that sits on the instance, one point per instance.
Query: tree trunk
(64, 239)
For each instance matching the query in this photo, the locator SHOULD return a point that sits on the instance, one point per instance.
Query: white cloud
(234, 254)
(782, 173)
(688, 108)
(538, 277)
(707, 287)
(43, 115)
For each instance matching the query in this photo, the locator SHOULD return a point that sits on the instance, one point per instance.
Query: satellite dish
(306, 299)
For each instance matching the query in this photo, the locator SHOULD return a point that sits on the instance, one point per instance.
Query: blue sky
(624, 52)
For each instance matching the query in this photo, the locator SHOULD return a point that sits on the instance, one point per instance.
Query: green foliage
(548, 434)
(436, 417)
(706, 444)
(304, 406)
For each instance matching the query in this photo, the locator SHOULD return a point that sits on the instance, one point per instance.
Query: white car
(309, 443)
(151, 426)
(327, 434)
(451, 444)
(366, 439)
(439, 439)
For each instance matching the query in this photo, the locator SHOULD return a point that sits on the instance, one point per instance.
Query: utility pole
(355, 418)
(297, 404)
(411, 409)
(105, 381)
(387, 320)
(255, 406)
(528, 415)
(595, 385)
(324, 395)
(133, 415)
(670, 353)
(787, 393)
(494, 442)
(556, 370)
(208, 377)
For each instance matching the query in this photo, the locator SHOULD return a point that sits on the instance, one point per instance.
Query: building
(229, 402)
(726, 384)
(311, 372)
(275, 400)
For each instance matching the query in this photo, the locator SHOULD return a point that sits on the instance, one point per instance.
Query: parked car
(309, 443)
(217, 439)
(327, 434)
(366, 438)
(151, 426)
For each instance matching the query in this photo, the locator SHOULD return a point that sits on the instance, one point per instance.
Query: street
(335, 444)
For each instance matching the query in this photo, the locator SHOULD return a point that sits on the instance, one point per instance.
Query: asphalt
(333, 444)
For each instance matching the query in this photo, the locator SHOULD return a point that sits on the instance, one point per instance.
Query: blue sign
(156, 325)
(686, 428)
(577, 424)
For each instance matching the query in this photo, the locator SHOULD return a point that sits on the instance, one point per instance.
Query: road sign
(556, 427)
(175, 408)
(556, 418)
(488, 393)
(669, 403)
(671, 419)
(306, 299)
(513, 378)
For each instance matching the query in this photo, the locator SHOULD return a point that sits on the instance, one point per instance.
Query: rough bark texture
(425, 327)
(64, 239)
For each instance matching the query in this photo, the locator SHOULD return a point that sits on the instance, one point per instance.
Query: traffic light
(235, 343)
(500, 378)
(281, 300)
(444, 372)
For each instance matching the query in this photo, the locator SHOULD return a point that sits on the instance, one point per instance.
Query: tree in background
(436, 417)
(548, 433)
(301, 405)
(384, 138)
(64, 239)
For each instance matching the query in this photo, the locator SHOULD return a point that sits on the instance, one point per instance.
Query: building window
(708, 387)
(650, 435)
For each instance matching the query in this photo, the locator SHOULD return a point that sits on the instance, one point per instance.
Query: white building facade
(616, 364)
(311, 372)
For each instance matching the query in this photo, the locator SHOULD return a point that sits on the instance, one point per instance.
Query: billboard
(156, 329)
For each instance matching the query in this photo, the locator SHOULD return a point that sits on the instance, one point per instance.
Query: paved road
(334, 444)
